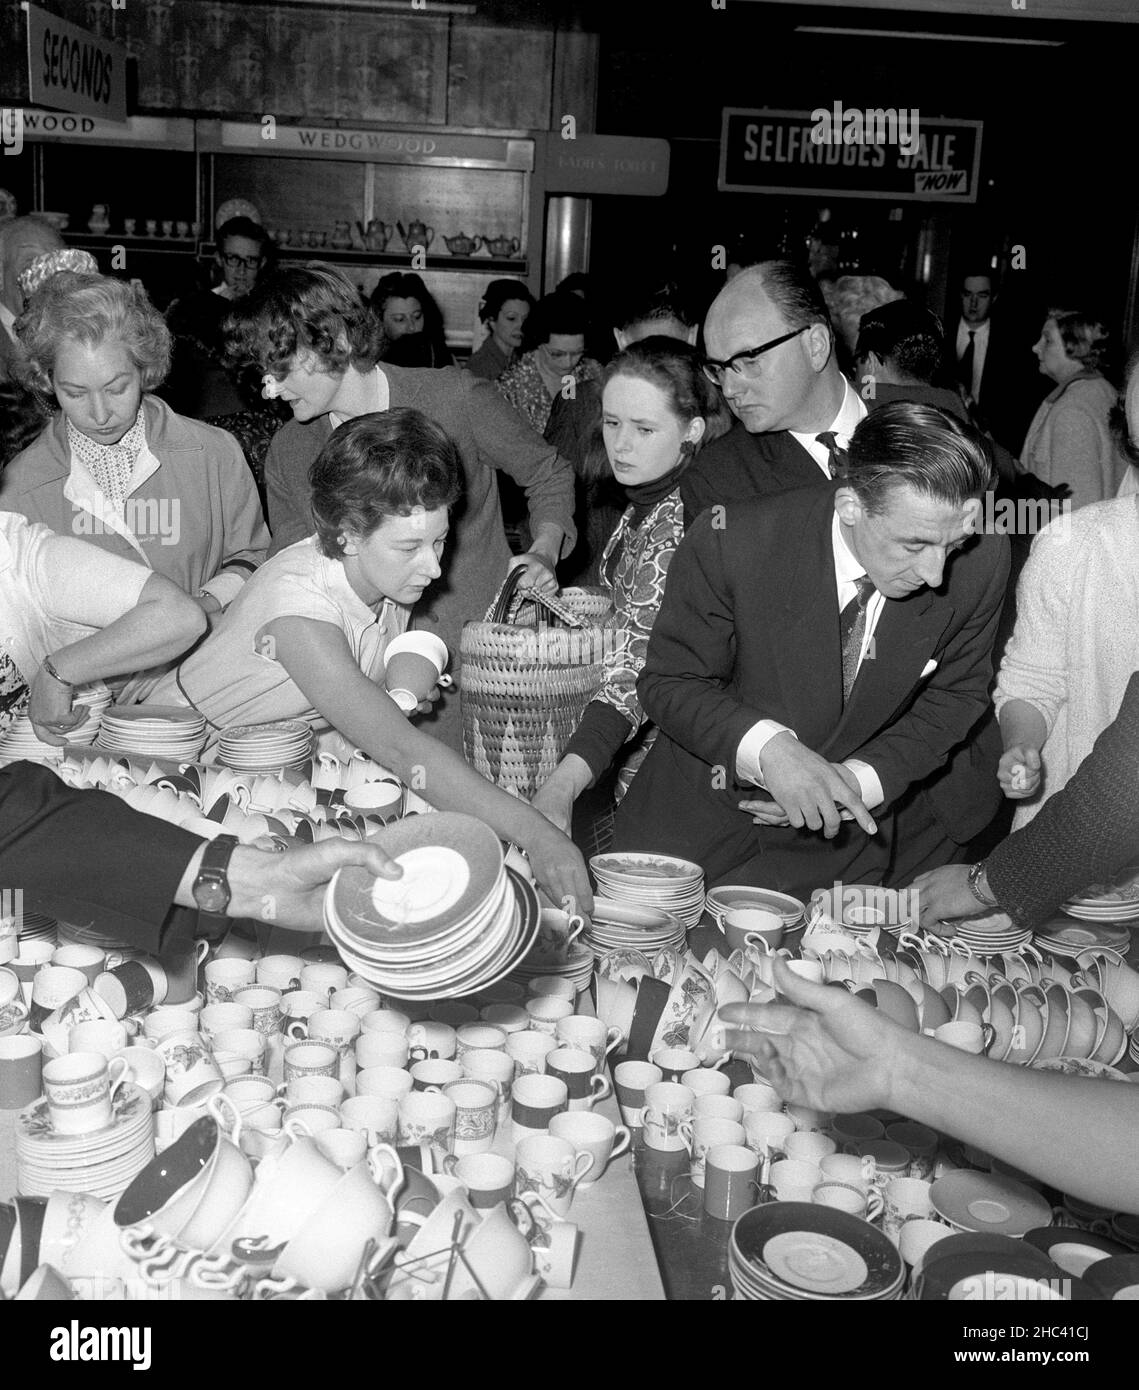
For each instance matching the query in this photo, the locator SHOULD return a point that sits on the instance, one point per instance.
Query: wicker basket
(529, 670)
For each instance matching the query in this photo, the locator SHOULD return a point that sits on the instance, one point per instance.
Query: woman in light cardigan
(1070, 439)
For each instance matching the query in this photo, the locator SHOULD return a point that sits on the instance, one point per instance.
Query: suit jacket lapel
(904, 640)
(806, 647)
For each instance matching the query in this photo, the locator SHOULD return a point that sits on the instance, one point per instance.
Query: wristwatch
(211, 887)
(975, 885)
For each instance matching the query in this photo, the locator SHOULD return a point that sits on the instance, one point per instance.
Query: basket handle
(499, 610)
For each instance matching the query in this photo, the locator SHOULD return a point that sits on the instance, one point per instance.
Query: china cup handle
(201, 950)
(582, 1163)
(623, 1137)
(394, 1161)
(522, 1217)
(875, 1204)
(297, 1030)
(614, 1038)
(684, 1130)
(574, 929)
(988, 1035)
(601, 1087)
(227, 1115)
(118, 1074)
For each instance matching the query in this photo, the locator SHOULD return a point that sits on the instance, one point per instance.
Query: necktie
(965, 366)
(836, 457)
(852, 627)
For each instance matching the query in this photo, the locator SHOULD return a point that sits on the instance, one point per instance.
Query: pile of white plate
(803, 1252)
(1060, 938)
(730, 896)
(1117, 901)
(616, 926)
(265, 747)
(38, 926)
(20, 740)
(671, 885)
(992, 935)
(457, 921)
(576, 966)
(153, 731)
(102, 1163)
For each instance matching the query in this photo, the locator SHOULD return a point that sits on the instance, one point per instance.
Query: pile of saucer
(1117, 901)
(577, 967)
(38, 926)
(728, 897)
(1065, 939)
(801, 1252)
(265, 747)
(20, 741)
(992, 935)
(988, 1268)
(457, 921)
(101, 1163)
(671, 885)
(153, 731)
(988, 1202)
(617, 926)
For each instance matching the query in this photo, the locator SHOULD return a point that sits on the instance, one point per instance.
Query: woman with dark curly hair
(503, 311)
(117, 466)
(307, 636)
(412, 321)
(556, 362)
(1070, 439)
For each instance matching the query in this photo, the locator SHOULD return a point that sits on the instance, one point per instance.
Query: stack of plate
(265, 747)
(102, 1163)
(153, 731)
(989, 1268)
(729, 896)
(577, 967)
(992, 935)
(675, 886)
(1060, 938)
(800, 1252)
(20, 741)
(88, 934)
(1117, 901)
(38, 926)
(988, 1202)
(619, 927)
(457, 921)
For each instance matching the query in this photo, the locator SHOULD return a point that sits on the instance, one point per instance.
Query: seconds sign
(72, 70)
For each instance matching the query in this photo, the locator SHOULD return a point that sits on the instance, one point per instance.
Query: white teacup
(80, 1089)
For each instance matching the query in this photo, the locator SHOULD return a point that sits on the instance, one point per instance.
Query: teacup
(529, 1050)
(552, 1168)
(631, 1079)
(584, 1086)
(849, 1197)
(668, 1105)
(80, 1088)
(535, 1100)
(427, 1117)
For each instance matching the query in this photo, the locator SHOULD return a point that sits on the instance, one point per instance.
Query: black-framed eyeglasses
(746, 363)
(242, 262)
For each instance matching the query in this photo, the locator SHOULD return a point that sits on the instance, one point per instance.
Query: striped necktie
(836, 457)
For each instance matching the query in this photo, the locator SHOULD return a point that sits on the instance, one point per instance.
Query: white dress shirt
(852, 409)
(847, 568)
(980, 348)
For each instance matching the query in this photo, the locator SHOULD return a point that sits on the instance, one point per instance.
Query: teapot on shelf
(463, 245)
(374, 237)
(341, 236)
(502, 247)
(418, 234)
(99, 223)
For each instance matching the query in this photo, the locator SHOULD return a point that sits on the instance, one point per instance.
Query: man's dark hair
(561, 313)
(393, 463)
(311, 308)
(658, 304)
(793, 291)
(247, 228)
(919, 446)
(909, 338)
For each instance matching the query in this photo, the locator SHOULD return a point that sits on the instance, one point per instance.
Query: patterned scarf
(111, 465)
(13, 691)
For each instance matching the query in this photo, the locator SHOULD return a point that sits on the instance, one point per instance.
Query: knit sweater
(1085, 834)
(1076, 640)
(1069, 440)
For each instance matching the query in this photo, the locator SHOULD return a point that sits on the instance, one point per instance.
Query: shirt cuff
(869, 783)
(752, 745)
(225, 587)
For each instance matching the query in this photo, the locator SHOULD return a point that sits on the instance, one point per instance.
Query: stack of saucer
(992, 935)
(576, 966)
(802, 1252)
(618, 927)
(728, 897)
(38, 926)
(675, 886)
(1060, 938)
(20, 741)
(457, 921)
(101, 1163)
(153, 731)
(1117, 901)
(265, 747)
(87, 934)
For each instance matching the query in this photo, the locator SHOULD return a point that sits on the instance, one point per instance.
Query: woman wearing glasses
(556, 361)
(116, 466)
(657, 408)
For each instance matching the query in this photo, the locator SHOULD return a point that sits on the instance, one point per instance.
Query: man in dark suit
(771, 351)
(832, 647)
(993, 363)
(319, 348)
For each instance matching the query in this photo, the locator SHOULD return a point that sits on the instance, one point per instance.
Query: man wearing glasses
(770, 349)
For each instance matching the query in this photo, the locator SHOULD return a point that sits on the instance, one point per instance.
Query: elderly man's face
(21, 247)
(781, 394)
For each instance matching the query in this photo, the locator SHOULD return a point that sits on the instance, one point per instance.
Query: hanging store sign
(850, 152)
(442, 148)
(621, 164)
(72, 70)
